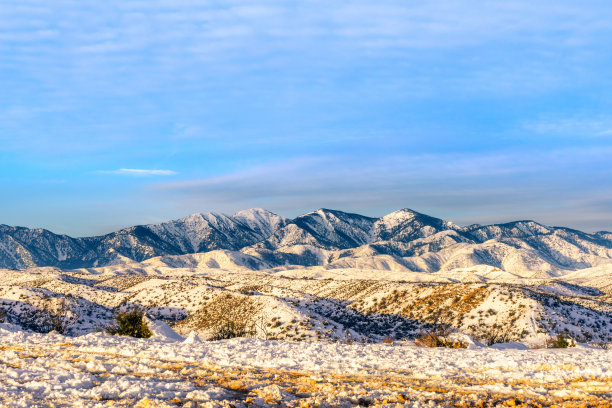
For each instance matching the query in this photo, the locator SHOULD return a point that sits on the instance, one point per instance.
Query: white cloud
(141, 172)
(185, 29)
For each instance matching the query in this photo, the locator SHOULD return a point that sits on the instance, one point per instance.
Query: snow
(192, 338)
(513, 345)
(98, 370)
(162, 331)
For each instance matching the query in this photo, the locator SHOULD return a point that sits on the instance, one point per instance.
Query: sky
(127, 112)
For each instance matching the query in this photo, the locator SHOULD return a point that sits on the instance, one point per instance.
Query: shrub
(499, 335)
(52, 314)
(130, 323)
(560, 342)
(229, 329)
(63, 316)
(439, 337)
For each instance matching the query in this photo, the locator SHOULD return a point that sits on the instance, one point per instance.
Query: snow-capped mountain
(259, 239)
(22, 247)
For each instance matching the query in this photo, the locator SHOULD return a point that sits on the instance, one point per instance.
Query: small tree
(54, 314)
(233, 328)
(64, 316)
(130, 323)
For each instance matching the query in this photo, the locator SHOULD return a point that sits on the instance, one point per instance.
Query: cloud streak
(572, 127)
(158, 36)
(140, 172)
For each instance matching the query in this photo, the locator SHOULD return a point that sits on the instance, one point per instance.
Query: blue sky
(126, 112)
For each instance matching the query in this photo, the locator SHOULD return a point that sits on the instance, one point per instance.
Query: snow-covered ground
(98, 370)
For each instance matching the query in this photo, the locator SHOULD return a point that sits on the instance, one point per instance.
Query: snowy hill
(199, 293)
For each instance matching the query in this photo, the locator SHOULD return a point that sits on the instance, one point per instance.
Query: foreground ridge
(312, 303)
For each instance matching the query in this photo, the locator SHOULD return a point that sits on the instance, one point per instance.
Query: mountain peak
(256, 210)
(260, 219)
(401, 216)
(324, 211)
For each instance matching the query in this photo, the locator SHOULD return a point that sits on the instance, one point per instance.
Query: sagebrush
(130, 323)
(560, 341)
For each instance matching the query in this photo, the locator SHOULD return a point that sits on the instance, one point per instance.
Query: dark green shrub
(559, 342)
(130, 323)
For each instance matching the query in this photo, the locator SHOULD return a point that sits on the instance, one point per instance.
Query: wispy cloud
(157, 37)
(607, 132)
(140, 172)
(577, 126)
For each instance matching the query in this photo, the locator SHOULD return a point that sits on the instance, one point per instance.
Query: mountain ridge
(418, 241)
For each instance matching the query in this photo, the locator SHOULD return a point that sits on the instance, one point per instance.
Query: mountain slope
(327, 229)
(22, 247)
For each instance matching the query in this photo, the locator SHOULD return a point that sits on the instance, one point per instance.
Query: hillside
(313, 303)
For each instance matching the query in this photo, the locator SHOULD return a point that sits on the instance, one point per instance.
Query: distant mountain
(22, 247)
(258, 239)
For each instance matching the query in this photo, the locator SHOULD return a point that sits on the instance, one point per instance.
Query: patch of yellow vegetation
(12, 348)
(144, 403)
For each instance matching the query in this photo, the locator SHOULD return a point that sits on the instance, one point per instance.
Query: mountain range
(259, 239)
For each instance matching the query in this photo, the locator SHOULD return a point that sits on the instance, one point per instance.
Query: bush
(560, 342)
(230, 329)
(439, 337)
(130, 323)
(498, 336)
